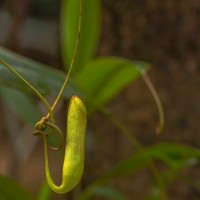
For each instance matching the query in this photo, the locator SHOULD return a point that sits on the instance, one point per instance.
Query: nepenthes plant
(114, 74)
(76, 127)
(73, 164)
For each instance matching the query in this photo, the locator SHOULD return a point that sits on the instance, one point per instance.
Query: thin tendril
(51, 114)
(72, 62)
(55, 128)
(44, 122)
(160, 126)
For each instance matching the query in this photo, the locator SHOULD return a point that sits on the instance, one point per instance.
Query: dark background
(164, 33)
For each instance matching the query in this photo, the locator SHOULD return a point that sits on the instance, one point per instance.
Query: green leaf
(22, 104)
(90, 30)
(46, 79)
(104, 78)
(45, 192)
(107, 192)
(9, 190)
(141, 159)
(174, 155)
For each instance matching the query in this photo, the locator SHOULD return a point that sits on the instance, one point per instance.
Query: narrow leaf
(104, 78)
(90, 30)
(141, 159)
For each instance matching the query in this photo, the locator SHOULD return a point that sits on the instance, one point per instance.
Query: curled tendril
(41, 128)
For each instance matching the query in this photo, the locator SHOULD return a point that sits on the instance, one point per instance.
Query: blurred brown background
(164, 33)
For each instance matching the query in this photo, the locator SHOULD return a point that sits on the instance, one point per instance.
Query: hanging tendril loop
(45, 129)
